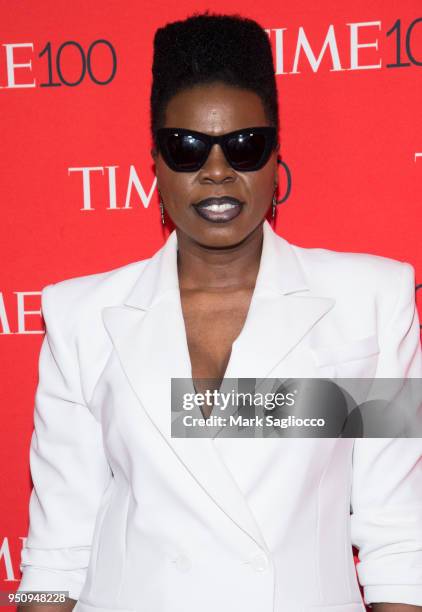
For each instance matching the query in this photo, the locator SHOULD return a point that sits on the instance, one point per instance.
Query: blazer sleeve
(386, 497)
(68, 466)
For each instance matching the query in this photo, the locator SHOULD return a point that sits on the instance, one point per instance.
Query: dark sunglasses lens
(186, 152)
(247, 150)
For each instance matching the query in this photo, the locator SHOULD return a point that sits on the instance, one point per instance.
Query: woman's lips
(219, 210)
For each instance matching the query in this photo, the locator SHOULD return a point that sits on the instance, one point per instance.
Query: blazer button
(259, 562)
(183, 563)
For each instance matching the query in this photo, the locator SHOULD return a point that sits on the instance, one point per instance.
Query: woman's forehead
(215, 108)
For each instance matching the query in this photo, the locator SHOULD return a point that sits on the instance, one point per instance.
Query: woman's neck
(219, 269)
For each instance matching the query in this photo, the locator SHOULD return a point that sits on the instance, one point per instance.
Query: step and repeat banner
(78, 191)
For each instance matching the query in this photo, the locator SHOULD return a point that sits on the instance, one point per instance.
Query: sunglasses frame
(269, 132)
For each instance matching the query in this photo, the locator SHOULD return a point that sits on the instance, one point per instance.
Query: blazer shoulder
(79, 297)
(353, 271)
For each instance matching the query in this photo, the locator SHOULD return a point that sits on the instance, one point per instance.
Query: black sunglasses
(245, 150)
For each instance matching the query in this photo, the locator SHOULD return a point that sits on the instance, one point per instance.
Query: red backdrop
(77, 182)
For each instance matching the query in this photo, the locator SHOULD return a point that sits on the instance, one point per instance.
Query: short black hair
(207, 48)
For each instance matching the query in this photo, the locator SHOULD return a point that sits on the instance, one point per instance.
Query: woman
(126, 517)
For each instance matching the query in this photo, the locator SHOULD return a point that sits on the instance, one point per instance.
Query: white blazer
(127, 518)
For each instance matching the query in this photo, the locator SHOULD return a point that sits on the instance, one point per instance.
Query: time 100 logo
(57, 60)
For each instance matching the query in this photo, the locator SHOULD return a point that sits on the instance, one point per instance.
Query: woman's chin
(223, 235)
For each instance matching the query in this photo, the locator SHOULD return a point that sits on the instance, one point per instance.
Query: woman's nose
(217, 169)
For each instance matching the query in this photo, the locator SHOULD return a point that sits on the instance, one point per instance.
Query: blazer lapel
(283, 310)
(148, 333)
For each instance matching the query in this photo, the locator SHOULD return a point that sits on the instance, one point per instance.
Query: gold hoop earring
(161, 204)
(163, 220)
(276, 202)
